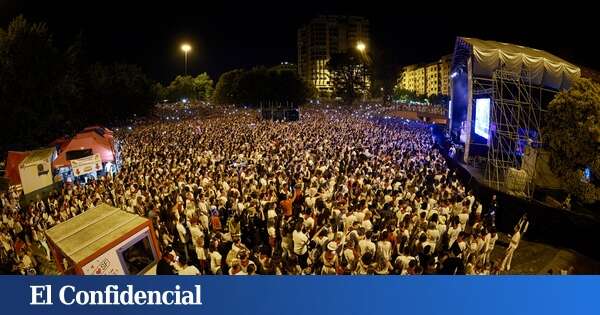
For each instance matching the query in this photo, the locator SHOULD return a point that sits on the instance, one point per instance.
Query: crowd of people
(429, 108)
(333, 193)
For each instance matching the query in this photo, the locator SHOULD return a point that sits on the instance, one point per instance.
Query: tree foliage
(405, 95)
(46, 91)
(401, 94)
(227, 87)
(572, 132)
(118, 91)
(199, 88)
(348, 73)
(261, 85)
(439, 99)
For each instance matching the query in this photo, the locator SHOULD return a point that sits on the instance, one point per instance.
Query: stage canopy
(544, 68)
(93, 230)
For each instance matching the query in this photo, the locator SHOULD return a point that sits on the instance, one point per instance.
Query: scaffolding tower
(515, 124)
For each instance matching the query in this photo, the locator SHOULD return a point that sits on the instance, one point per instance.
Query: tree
(262, 85)
(199, 88)
(160, 92)
(439, 99)
(32, 74)
(227, 88)
(347, 73)
(404, 95)
(203, 87)
(254, 87)
(572, 131)
(46, 91)
(288, 87)
(117, 92)
(181, 87)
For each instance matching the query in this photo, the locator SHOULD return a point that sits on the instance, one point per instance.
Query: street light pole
(186, 48)
(185, 67)
(361, 47)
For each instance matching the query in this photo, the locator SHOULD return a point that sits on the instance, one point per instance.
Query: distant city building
(323, 37)
(428, 79)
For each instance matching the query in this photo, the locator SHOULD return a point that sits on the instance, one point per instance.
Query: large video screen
(482, 117)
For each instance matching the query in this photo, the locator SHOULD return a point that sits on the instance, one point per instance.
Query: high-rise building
(428, 79)
(323, 37)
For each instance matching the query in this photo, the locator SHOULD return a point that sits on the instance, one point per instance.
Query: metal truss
(515, 124)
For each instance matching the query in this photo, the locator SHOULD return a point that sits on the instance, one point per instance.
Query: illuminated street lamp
(186, 48)
(360, 46)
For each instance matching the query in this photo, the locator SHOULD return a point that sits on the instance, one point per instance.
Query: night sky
(243, 34)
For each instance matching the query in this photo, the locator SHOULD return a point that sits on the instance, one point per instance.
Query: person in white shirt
(366, 223)
(26, 263)
(349, 255)
(463, 218)
(300, 244)
(433, 236)
(490, 242)
(236, 268)
(514, 243)
(187, 270)
(471, 199)
(366, 245)
(197, 237)
(403, 260)
(215, 259)
(309, 222)
(453, 233)
(182, 231)
(478, 208)
(349, 219)
(384, 247)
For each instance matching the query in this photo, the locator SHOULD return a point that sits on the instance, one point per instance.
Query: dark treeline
(261, 84)
(47, 91)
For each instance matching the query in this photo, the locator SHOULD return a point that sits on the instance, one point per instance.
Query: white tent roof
(544, 68)
(36, 156)
(85, 234)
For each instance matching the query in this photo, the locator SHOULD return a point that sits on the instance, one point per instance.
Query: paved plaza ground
(532, 258)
